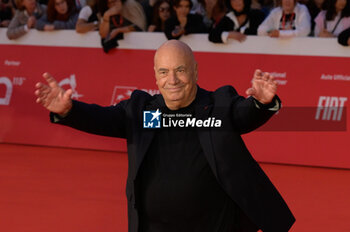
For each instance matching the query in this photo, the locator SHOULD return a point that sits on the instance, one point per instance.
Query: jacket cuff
(274, 105)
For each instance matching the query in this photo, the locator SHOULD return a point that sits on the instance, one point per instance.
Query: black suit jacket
(233, 166)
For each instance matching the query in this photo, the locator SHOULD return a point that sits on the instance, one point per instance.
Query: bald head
(171, 46)
(176, 73)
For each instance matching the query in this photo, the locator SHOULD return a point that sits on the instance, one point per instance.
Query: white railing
(199, 42)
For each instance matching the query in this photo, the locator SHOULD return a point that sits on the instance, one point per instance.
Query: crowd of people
(221, 19)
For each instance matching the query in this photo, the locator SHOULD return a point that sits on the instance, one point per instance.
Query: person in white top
(334, 19)
(291, 19)
(88, 19)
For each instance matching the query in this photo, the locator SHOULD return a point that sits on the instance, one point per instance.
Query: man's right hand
(52, 96)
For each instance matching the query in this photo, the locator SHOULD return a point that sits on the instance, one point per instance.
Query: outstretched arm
(91, 118)
(52, 96)
(254, 111)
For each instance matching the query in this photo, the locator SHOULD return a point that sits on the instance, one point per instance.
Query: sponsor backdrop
(311, 130)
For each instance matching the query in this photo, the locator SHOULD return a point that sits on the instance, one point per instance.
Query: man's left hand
(264, 87)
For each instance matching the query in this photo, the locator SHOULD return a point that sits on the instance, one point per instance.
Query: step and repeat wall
(313, 76)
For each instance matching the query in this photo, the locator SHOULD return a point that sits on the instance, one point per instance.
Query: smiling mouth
(174, 89)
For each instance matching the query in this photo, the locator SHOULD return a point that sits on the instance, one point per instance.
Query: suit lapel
(203, 108)
(147, 135)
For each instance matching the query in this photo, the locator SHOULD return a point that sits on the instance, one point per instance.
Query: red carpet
(70, 190)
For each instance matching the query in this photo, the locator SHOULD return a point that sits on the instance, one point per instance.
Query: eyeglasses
(163, 9)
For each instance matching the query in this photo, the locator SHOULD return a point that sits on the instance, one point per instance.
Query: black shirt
(177, 188)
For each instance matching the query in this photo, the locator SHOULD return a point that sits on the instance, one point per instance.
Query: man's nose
(172, 78)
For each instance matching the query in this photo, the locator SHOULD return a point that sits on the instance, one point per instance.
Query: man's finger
(257, 73)
(38, 100)
(68, 94)
(250, 91)
(266, 76)
(50, 80)
(42, 90)
(271, 78)
(37, 93)
(42, 87)
(38, 85)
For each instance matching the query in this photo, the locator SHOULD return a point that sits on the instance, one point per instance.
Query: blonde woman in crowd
(29, 11)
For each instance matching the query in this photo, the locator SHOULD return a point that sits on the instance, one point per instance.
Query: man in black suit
(196, 177)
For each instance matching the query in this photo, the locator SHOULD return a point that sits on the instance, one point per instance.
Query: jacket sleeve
(225, 25)
(319, 23)
(247, 113)
(344, 37)
(70, 24)
(15, 29)
(269, 23)
(40, 23)
(95, 119)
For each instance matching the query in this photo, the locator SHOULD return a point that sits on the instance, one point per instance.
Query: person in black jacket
(193, 177)
(344, 37)
(183, 23)
(240, 21)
